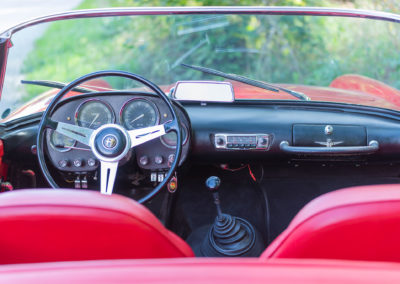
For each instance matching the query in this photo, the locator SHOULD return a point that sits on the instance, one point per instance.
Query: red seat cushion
(360, 223)
(59, 225)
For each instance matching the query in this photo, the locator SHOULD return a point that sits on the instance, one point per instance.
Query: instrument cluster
(132, 112)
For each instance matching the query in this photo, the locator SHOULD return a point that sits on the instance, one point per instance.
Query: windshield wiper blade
(54, 84)
(248, 81)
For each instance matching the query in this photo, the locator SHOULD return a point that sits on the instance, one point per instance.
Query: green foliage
(282, 49)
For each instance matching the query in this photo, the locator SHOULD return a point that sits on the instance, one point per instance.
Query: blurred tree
(283, 49)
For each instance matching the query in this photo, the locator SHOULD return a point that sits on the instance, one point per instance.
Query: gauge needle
(72, 147)
(77, 148)
(96, 115)
(139, 117)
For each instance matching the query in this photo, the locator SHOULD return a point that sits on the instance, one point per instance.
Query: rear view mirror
(203, 91)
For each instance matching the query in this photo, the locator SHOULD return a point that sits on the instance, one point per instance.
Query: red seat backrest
(360, 223)
(62, 225)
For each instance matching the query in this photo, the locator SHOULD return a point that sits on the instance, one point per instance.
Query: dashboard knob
(171, 159)
(220, 141)
(91, 162)
(78, 163)
(34, 149)
(263, 141)
(158, 160)
(144, 160)
(63, 163)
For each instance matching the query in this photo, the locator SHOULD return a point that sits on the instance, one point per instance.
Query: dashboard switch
(160, 177)
(77, 183)
(144, 160)
(78, 163)
(171, 159)
(153, 177)
(158, 160)
(63, 163)
(84, 183)
(91, 162)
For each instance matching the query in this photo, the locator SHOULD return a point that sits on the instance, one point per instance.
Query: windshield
(334, 59)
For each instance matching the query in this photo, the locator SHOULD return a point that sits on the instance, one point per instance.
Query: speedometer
(139, 113)
(93, 114)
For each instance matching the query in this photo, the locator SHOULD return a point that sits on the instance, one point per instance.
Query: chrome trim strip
(372, 147)
(132, 11)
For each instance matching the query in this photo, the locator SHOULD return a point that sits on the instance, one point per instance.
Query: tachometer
(139, 113)
(93, 114)
(61, 142)
(170, 139)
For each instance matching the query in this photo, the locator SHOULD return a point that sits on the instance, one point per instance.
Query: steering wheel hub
(110, 142)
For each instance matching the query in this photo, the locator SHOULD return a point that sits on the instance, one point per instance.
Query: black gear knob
(213, 183)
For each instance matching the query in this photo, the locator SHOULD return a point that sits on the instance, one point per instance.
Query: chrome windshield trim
(136, 11)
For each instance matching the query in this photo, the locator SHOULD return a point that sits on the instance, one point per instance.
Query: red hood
(326, 94)
(351, 89)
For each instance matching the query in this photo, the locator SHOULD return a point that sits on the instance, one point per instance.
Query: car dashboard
(132, 111)
(240, 132)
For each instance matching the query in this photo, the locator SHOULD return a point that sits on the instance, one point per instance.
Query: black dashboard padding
(278, 120)
(314, 135)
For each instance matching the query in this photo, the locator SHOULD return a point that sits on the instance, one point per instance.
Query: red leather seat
(361, 223)
(62, 225)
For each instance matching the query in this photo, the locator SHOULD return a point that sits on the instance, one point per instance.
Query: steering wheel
(110, 143)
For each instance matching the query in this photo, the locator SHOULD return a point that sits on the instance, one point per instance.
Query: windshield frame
(6, 36)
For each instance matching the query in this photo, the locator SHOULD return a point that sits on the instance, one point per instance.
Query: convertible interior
(95, 179)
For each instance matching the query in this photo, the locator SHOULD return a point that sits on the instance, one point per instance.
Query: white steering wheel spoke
(107, 176)
(143, 135)
(75, 132)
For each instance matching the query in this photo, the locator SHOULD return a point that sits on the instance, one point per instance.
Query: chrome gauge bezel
(184, 141)
(50, 141)
(79, 108)
(157, 111)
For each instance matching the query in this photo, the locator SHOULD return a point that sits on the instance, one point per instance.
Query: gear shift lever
(213, 184)
(229, 236)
